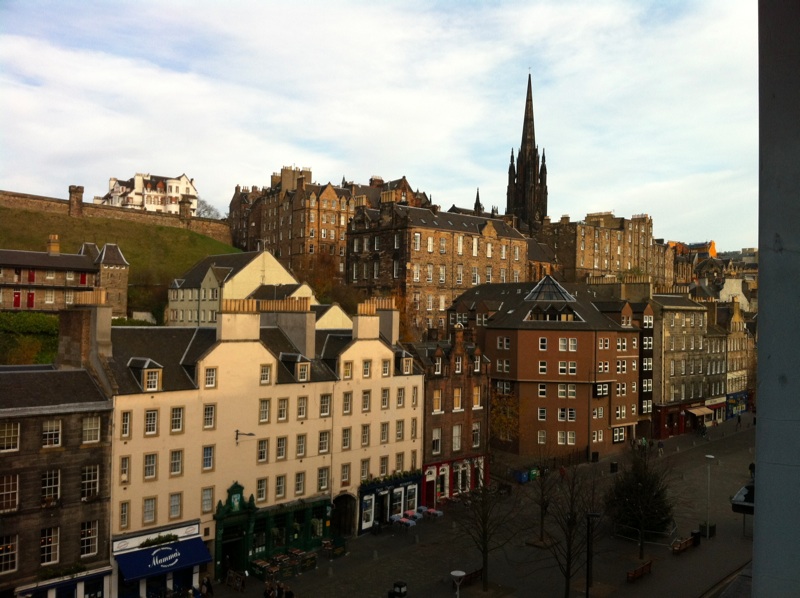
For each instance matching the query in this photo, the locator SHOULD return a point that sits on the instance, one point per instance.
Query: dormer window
(302, 372)
(406, 365)
(152, 380)
(437, 368)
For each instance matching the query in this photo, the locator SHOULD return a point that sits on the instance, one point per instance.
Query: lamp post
(458, 577)
(709, 459)
(589, 534)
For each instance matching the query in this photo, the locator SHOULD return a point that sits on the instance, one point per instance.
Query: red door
(31, 299)
(83, 278)
(31, 275)
(17, 299)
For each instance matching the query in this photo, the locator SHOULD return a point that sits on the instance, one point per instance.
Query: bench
(678, 546)
(640, 571)
(470, 577)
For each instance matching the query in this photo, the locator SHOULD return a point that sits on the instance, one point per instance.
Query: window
(263, 410)
(573, 344)
(476, 434)
(347, 370)
(51, 433)
(400, 427)
(401, 397)
(430, 244)
(9, 436)
(90, 481)
(91, 429)
(280, 448)
(365, 435)
(476, 397)
(618, 435)
(414, 427)
(345, 474)
(384, 398)
(299, 483)
(543, 390)
(366, 368)
(151, 380)
(261, 489)
(436, 444)
(562, 344)
(366, 399)
(175, 462)
(571, 437)
(325, 405)
(300, 445)
(562, 414)
(541, 436)
(384, 466)
(262, 450)
(125, 424)
(150, 466)
(283, 409)
(324, 441)
(437, 400)
(542, 367)
(266, 374)
(562, 437)
(323, 478)
(176, 420)
(175, 505)
(573, 368)
(562, 367)
(542, 343)
(211, 377)
(302, 372)
(51, 486)
(207, 499)
(364, 469)
(280, 486)
(571, 414)
(384, 432)
(151, 422)
(302, 407)
(209, 416)
(347, 403)
(571, 391)
(124, 514)
(542, 414)
(9, 495)
(48, 546)
(208, 458)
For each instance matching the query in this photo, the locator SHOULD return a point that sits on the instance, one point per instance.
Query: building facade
(152, 193)
(49, 280)
(426, 258)
(456, 423)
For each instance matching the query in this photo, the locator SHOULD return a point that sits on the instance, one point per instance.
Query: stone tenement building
(298, 221)
(427, 258)
(526, 196)
(605, 245)
(152, 193)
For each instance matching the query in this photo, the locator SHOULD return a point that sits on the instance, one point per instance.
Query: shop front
(162, 561)
(247, 537)
(445, 480)
(700, 415)
(717, 407)
(380, 499)
(736, 403)
(95, 583)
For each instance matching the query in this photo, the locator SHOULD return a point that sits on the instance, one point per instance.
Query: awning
(700, 411)
(155, 560)
(717, 406)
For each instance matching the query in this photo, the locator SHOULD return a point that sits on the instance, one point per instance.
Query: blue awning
(155, 560)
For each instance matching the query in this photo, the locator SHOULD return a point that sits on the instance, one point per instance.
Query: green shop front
(252, 539)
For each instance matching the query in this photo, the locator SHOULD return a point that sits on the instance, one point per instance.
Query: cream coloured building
(240, 441)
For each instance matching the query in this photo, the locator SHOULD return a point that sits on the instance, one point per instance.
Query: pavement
(423, 556)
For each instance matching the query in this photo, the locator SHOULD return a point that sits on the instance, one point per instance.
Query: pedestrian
(209, 587)
(660, 448)
(288, 593)
(739, 422)
(752, 471)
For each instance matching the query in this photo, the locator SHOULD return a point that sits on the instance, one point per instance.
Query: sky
(640, 106)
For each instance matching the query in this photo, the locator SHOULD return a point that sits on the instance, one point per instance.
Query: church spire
(478, 209)
(528, 133)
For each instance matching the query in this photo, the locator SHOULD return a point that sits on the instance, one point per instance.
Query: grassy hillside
(157, 254)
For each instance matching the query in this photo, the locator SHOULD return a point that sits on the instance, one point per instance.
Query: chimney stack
(53, 246)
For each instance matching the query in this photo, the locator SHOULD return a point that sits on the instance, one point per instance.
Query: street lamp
(589, 534)
(709, 459)
(458, 577)
(238, 433)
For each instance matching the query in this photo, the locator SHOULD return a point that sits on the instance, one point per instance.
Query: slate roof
(224, 266)
(540, 252)
(676, 301)
(13, 258)
(175, 349)
(425, 218)
(49, 390)
(111, 255)
(274, 291)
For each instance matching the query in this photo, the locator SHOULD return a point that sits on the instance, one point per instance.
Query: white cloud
(640, 107)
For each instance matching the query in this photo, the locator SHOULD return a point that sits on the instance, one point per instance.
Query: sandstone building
(152, 193)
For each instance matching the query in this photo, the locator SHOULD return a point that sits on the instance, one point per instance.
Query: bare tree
(574, 497)
(206, 210)
(490, 519)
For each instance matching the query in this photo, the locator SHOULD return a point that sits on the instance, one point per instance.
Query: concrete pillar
(776, 551)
